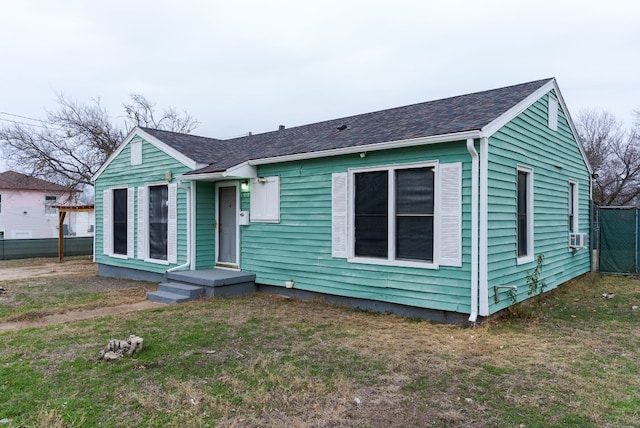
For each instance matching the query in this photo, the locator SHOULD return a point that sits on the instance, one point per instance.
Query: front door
(227, 225)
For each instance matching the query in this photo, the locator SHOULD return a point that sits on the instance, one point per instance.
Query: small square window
(49, 202)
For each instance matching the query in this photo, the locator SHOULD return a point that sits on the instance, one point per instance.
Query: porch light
(244, 186)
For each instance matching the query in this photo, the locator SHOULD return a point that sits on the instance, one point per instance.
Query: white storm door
(227, 221)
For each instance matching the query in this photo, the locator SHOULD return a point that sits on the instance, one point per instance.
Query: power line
(22, 117)
(23, 123)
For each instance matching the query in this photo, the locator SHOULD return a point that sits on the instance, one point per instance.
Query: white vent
(577, 240)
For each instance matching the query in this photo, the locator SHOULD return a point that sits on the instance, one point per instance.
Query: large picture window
(158, 221)
(120, 232)
(407, 197)
(402, 215)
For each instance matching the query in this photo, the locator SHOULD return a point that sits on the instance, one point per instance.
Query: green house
(438, 209)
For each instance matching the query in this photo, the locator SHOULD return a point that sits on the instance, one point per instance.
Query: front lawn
(262, 360)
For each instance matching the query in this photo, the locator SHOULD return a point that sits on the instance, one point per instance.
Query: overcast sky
(241, 66)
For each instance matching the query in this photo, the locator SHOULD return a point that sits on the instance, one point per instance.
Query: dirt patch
(64, 292)
(78, 315)
(44, 268)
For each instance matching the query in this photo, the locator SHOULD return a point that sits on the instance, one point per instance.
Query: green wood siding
(299, 247)
(555, 159)
(119, 173)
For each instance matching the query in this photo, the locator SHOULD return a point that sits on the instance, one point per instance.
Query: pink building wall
(23, 216)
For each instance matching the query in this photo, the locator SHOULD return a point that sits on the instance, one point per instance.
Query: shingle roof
(11, 180)
(441, 117)
(200, 149)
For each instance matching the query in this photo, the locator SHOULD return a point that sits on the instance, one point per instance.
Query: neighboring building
(27, 208)
(440, 207)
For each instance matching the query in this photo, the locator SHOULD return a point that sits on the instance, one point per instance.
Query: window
(412, 214)
(117, 222)
(371, 210)
(415, 194)
(573, 207)
(525, 215)
(158, 221)
(49, 202)
(120, 231)
(401, 215)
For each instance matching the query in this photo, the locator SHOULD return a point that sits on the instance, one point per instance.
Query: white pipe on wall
(474, 229)
(484, 227)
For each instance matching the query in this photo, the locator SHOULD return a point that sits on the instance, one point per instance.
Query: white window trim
(143, 224)
(157, 261)
(530, 210)
(391, 261)
(108, 217)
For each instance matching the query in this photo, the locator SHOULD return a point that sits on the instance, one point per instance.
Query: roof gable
(11, 180)
(190, 150)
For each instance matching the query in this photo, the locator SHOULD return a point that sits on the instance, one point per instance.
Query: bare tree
(70, 146)
(614, 155)
(142, 112)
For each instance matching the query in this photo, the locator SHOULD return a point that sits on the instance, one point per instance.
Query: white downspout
(484, 226)
(474, 229)
(189, 210)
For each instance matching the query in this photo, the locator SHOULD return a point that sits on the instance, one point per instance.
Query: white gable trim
(501, 121)
(137, 132)
(507, 116)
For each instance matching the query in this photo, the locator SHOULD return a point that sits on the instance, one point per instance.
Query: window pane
(522, 192)
(371, 214)
(414, 214)
(572, 189)
(158, 221)
(120, 221)
(522, 223)
(414, 191)
(414, 238)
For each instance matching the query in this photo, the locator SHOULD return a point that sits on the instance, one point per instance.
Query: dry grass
(43, 287)
(269, 361)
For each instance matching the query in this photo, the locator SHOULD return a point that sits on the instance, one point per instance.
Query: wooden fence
(27, 248)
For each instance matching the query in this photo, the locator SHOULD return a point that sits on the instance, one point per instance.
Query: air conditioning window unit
(577, 240)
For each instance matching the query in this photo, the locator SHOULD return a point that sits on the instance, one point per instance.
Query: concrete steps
(175, 292)
(189, 285)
